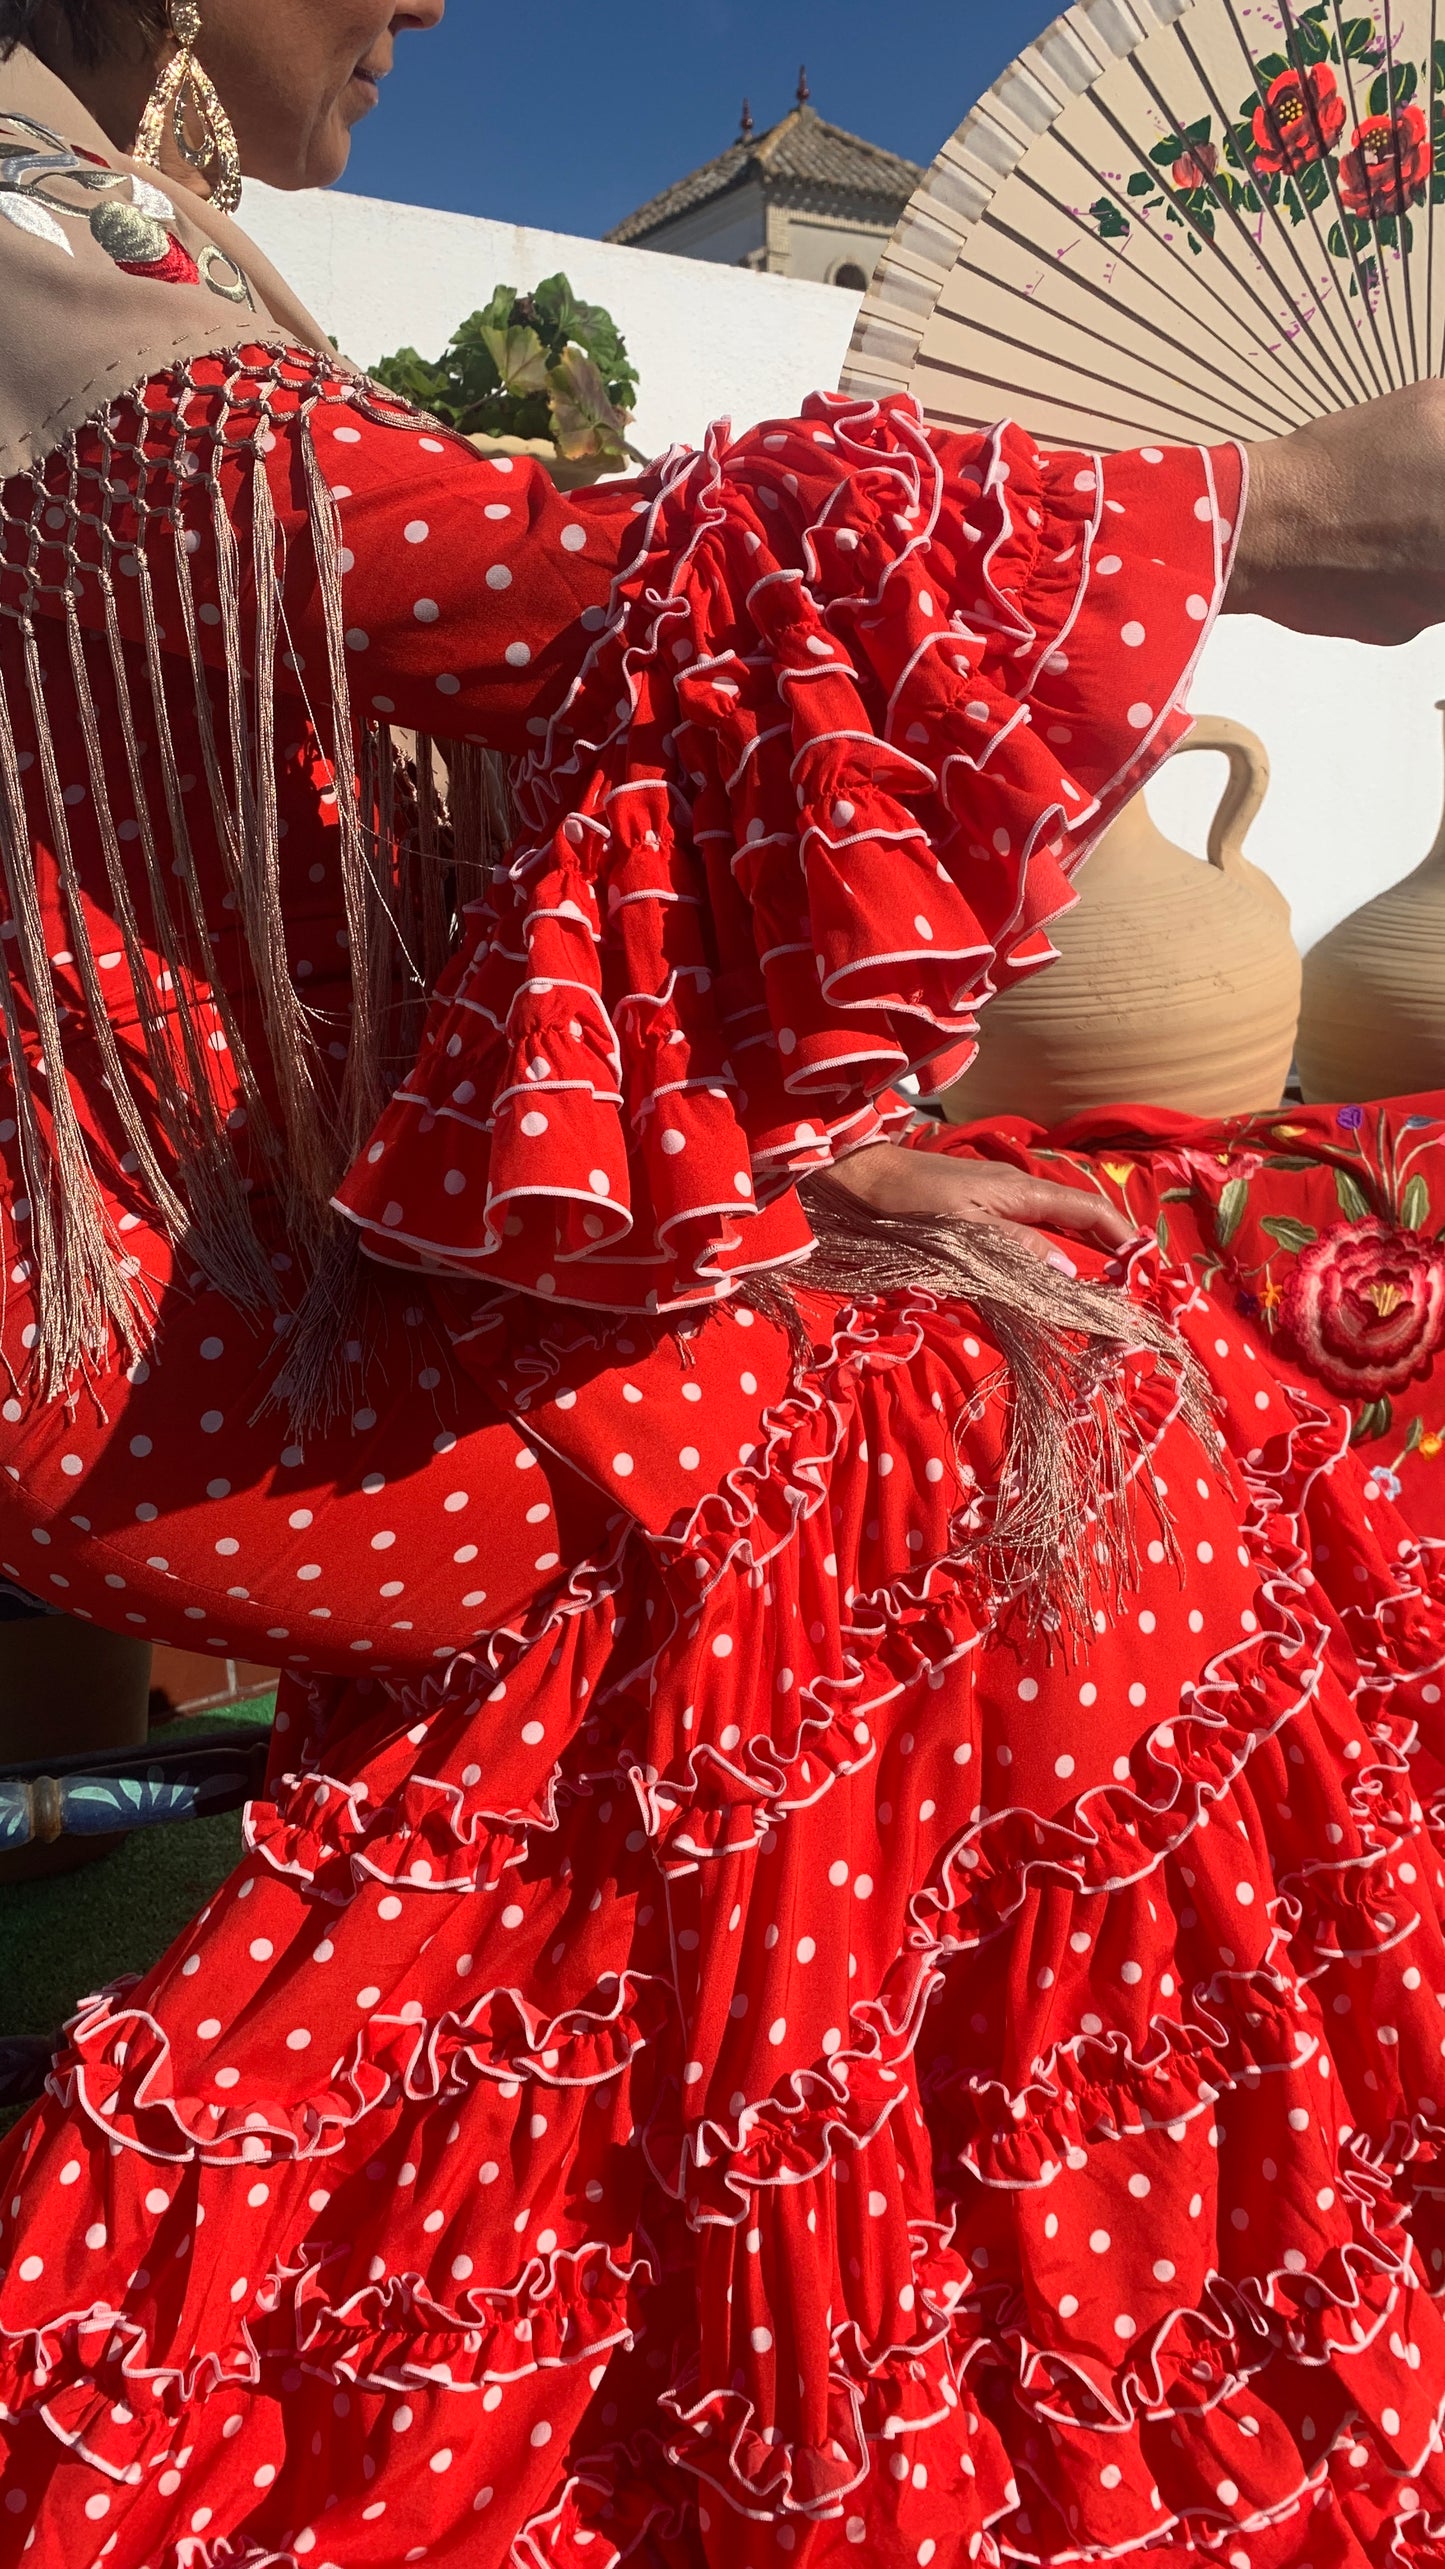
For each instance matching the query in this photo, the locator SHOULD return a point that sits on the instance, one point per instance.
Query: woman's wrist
(1343, 531)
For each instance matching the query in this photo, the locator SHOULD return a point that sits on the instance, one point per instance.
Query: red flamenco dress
(731, 2041)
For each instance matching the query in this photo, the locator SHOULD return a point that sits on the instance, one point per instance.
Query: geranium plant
(543, 365)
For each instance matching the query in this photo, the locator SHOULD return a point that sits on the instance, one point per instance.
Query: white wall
(707, 341)
(1352, 734)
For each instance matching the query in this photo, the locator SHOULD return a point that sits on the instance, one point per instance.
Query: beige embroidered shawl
(79, 327)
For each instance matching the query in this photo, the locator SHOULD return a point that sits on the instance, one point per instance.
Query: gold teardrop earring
(185, 100)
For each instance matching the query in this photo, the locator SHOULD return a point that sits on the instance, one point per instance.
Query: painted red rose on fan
(1196, 167)
(1387, 167)
(1298, 119)
(1365, 1307)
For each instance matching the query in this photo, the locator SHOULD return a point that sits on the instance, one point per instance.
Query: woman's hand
(888, 1179)
(1344, 527)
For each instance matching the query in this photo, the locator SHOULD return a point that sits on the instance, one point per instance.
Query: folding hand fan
(1182, 219)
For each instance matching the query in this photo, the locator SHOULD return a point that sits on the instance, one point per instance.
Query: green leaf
(1394, 87)
(427, 386)
(1314, 184)
(1386, 231)
(1270, 68)
(1229, 1212)
(1437, 191)
(1415, 1204)
(1314, 44)
(1413, 1434)
(1161, 1234)
(1176, 1195)
(1141, 184)
(1292, 204)
(1284, 1161)
(1290, 1234)
(1111, 223)
(1374, 1420)
(1353, 1202)
(584, 421)
(1199, 131)
(520, 360)
(1437, 61)
(1356, 37)
(1167, 152)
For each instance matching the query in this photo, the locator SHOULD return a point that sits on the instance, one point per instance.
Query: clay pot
(1177, 983)
(567, 476)
(1373, 1019)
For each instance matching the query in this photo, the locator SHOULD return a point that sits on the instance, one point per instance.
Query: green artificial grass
(60, 1940)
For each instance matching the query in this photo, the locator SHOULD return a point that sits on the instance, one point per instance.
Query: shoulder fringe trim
(93, 542)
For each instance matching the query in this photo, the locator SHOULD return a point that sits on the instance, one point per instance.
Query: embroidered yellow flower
(1119, 1170)
(1289, 1132)
(1430, 1445)
(1271, 1295)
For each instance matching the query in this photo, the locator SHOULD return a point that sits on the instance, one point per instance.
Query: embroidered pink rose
(1365, 1307)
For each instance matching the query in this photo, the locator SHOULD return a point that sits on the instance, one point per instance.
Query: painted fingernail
(1066, 1266)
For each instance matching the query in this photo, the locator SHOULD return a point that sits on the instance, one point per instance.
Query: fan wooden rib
(1177, 219)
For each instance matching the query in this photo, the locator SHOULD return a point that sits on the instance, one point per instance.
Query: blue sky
(567, 114)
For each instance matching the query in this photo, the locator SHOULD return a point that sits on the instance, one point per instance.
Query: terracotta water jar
(1177, 983)
(1373, 1019)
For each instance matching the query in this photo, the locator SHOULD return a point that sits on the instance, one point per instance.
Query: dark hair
(93, 26)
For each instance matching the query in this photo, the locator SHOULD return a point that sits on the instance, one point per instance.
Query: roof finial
(745, 129)
(804, 92)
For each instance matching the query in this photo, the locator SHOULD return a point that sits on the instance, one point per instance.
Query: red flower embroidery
(1365, 1307)
(1297, 120)
(1388, 165)
(1196, 167)
(175, 267)
(1212, 1170)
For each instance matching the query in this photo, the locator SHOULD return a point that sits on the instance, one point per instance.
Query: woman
(844, 1949)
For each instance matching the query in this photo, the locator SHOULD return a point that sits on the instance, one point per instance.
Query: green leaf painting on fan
(543, 366)
(1335, 125)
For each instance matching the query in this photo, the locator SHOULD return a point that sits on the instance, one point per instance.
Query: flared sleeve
(858, 701)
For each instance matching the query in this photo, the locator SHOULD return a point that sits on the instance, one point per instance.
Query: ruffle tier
(862, 698)
(891, 2108)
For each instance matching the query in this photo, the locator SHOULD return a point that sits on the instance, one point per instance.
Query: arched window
(852, 276)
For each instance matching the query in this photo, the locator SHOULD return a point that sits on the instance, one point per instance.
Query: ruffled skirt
(781, 2055)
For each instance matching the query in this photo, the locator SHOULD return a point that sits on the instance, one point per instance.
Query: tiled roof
(802, 150)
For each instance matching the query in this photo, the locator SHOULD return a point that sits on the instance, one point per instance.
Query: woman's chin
(320, 162)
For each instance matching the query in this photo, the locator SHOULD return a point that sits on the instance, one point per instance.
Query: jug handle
(1245, 788)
